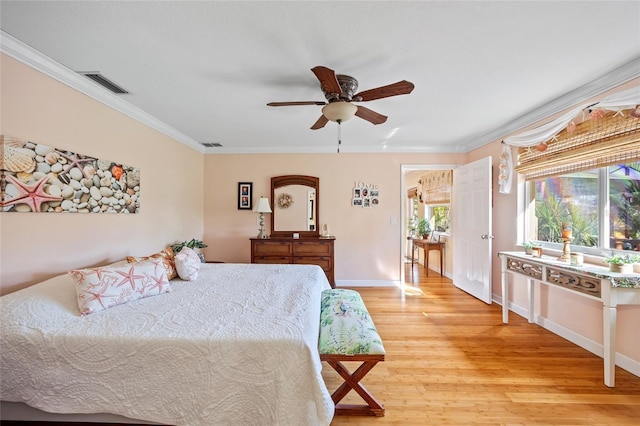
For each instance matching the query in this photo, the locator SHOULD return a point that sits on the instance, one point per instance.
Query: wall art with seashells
(39, 178)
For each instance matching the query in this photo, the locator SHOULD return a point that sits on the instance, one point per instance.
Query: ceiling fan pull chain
(339, 135)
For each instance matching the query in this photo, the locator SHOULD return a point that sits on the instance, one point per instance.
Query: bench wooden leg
(352, 381)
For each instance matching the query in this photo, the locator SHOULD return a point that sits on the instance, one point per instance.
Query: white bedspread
(237, 346)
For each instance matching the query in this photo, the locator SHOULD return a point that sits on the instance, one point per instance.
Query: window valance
(605, 139)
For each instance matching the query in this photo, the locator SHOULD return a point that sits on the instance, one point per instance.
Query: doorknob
(486, 237)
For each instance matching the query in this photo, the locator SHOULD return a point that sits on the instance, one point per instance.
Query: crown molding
(29, 56)
(605, 82)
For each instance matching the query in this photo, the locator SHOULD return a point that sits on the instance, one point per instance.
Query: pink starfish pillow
(103, 287)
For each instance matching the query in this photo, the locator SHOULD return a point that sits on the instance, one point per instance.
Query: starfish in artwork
(76, 161)
(31, 195)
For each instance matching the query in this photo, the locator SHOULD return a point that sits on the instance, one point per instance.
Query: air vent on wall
(104, 82)
(211, 144)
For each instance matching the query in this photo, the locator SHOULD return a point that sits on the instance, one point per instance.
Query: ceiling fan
(339, 91)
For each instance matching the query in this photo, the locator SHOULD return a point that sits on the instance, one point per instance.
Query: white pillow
(103, 287)
(187, 264)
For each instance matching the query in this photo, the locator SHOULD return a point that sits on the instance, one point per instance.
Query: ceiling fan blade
(371, 116)
(403, 87)
(328, 79)
(322, 121)
(277, 104)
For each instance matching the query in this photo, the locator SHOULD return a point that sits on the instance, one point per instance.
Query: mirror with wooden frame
(295, 200)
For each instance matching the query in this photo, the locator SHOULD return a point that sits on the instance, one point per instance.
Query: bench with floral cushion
(347, 333)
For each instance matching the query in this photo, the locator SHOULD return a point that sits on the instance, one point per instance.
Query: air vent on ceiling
(211, 144)
(104, 82)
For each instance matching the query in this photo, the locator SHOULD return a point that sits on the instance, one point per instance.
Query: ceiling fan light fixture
(339, 111)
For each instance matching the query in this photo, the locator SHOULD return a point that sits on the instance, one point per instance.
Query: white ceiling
(207, 69)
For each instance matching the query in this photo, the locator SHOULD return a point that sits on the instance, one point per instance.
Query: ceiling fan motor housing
(349, 86)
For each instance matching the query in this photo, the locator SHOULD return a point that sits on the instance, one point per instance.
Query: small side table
(427, 246)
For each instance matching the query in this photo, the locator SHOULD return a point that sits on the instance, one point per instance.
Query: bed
(237, 345)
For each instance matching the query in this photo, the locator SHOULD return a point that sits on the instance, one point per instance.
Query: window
(439, 218)
(588, 176)
(582, 199)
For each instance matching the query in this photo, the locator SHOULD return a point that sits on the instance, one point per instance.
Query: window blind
(613, 138)
(436, 187)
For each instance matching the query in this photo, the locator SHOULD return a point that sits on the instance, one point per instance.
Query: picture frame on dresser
(245, 195)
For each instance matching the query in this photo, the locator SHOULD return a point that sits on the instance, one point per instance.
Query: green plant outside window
(581, 199)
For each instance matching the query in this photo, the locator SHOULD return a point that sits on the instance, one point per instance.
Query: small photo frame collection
(365, 195)
(245, 195)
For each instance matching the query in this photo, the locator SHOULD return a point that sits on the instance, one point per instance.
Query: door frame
(404, 169)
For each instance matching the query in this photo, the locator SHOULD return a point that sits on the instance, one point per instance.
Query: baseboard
(367, 283)
(622, 361)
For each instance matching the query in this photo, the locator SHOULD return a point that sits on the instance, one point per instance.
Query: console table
(427, 246)
(592, 281)
(308, 251)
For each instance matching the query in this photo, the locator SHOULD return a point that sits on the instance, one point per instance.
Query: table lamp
(262, 208)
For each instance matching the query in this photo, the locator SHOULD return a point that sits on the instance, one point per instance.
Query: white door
(471, 228)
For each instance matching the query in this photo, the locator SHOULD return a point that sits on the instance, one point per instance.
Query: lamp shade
(263, 205)
(339, 111)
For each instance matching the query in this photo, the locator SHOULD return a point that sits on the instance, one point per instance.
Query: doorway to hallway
(426, 195)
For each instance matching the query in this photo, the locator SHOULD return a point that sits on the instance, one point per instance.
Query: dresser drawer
(271, 248)
(271, 259)
(312, 248)
(324, 262)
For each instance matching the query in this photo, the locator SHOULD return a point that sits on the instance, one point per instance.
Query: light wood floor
(451, 361)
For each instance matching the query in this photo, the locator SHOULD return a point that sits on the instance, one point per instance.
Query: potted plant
(528, 245)
(192, 244)
(424, 228)
(622, 263)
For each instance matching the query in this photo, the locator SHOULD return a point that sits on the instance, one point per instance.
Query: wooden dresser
(308, 251)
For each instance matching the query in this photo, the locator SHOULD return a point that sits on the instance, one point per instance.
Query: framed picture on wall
(245, 195)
